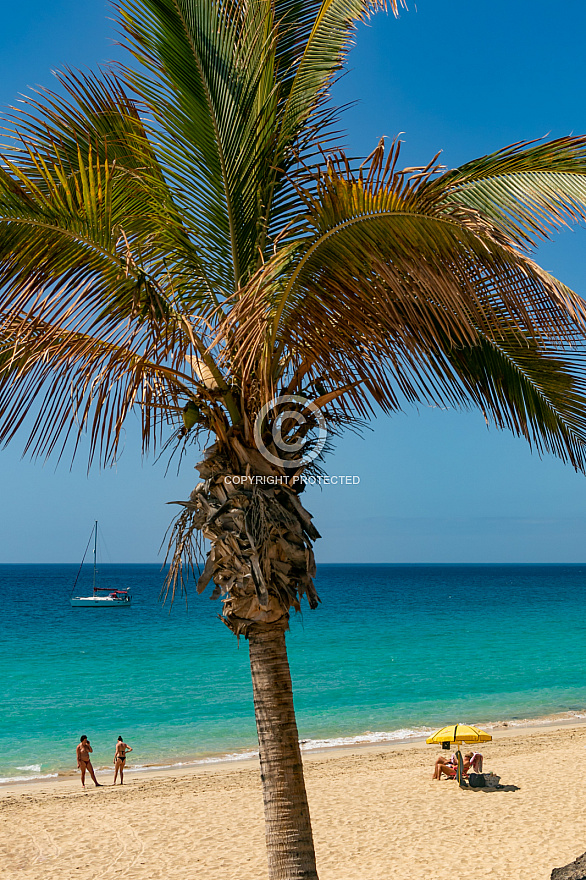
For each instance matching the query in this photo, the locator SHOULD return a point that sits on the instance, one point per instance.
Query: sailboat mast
(95, 550)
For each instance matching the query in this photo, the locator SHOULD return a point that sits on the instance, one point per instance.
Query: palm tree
(183, 238)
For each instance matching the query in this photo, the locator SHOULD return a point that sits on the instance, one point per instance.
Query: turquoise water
(391, 652)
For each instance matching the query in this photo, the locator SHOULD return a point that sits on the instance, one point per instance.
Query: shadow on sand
(491, 789)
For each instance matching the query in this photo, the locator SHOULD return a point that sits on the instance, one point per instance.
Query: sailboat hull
(100, 602)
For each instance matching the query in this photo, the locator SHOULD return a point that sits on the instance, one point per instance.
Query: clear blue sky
(436, 486)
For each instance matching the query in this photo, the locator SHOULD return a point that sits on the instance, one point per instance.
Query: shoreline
(223, 764)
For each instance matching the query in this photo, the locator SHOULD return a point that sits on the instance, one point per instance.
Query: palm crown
(186, 235)
(192, 219)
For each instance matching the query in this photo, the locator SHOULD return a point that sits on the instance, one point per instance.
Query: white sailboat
(101, 597)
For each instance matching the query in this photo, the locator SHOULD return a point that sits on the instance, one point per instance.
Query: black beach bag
(477, 780)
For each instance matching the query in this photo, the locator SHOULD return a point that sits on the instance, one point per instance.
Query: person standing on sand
(83, 760)
(120, 759)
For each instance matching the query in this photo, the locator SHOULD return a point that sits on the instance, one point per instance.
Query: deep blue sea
(392, 652)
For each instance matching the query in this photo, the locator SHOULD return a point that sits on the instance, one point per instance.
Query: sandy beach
(376, 814)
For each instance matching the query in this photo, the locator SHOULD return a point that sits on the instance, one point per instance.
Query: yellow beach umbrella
(459, 733)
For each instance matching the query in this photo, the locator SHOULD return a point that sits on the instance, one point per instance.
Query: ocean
(393, 652)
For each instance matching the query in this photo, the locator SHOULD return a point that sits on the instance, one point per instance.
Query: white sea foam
(542, 721)
(237, 756)
(8, 779)
(402, 735)
(214, 759)
(34, 767)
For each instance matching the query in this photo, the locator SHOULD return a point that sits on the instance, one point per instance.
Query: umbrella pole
(460, 768)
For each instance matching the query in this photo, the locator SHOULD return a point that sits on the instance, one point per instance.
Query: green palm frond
(84, 172)
(56, 134)
(315, 50)
(535, 392)
(233, 89)
(305, 26)
(526, 190)
(211, 90)
(70, 251)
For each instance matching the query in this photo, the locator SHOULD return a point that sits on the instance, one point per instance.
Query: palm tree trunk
(289, 839)
(261, 561)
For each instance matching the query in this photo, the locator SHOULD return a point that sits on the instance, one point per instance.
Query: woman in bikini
(84, 762)
(120, 759)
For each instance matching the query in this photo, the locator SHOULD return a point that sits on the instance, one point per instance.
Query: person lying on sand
(83, 760)
(449, 766)
(120, 759)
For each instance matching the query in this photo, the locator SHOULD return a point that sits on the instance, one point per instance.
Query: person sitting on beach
(449, 766)
(83, 760)
(120, 759)
(445, 765)
(474, 762)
